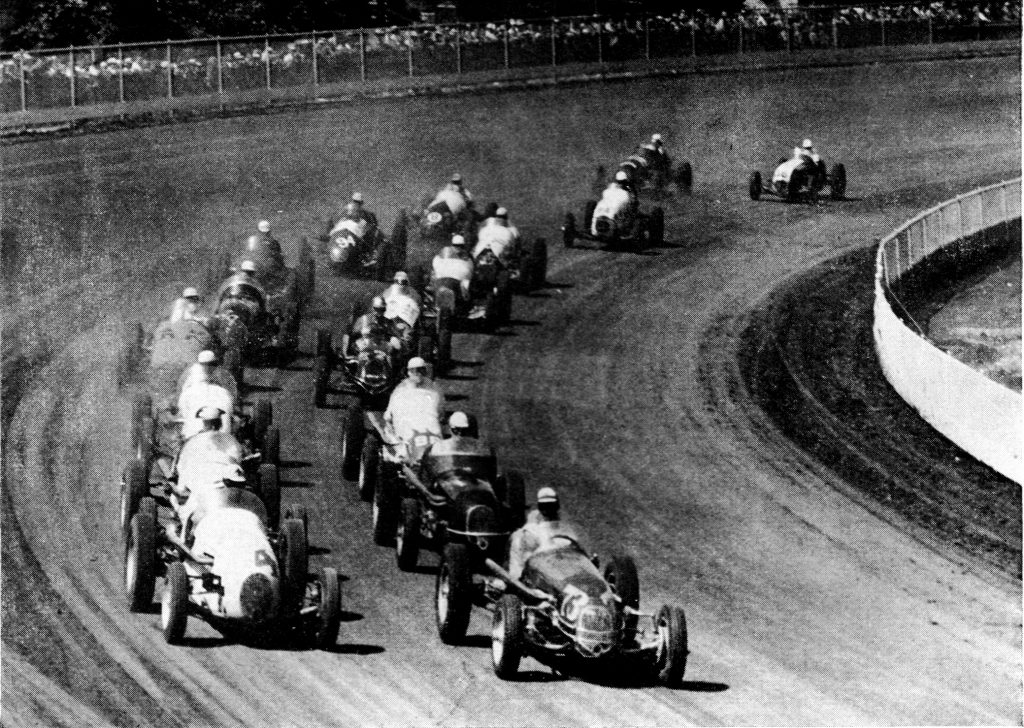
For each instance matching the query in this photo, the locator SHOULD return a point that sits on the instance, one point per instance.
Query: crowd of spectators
(758, 26)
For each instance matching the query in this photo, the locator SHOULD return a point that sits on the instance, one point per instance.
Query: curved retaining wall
(980, 415)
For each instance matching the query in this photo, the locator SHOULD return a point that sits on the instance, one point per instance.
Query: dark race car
(799, 179)
(567, 612)
(648, 169)
(357, 247)
(449, 212)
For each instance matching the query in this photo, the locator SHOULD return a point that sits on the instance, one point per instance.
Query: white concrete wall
(977, 413)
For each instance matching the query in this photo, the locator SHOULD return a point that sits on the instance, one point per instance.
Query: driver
(807, 151)
(619, 194)
(497, 236)
(265, 247)
(402, 306)
(374, 324)
(186, 307)
(413, 415)
(206, 369)
(453, 261)
(244, 280)
(201, 393)
(354, 210)
(543, 526)
(457, 185)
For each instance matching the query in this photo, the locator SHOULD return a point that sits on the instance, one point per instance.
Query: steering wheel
(572, 542)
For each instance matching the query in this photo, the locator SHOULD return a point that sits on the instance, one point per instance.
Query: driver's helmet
(248, 267)
(401, 278)
(458, 241)
(458, 423)
(379, 304)
(263, 226)
(351, 210)
(209, 415)
(547, 500)
(357, 197)
(656, 140)
(190, 293)
(501, 213)
(207, 357)
(417, 364)
(807, 144)
(253, 243)
(621, 177)
(457, 179)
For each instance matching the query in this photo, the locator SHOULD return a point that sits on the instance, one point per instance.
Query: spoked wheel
(385, 510)
(140, 557)
(294, 560)
(328, 602)
(453, 594)
(368, 465)
(507, 636)
(620, 573)
(174, 604)
(352, 436)
(407, 538)
(670, 658)
(134, 487)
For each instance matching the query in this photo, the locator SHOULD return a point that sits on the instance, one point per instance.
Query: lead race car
(616, 220)
(649, 167)
(232, 569)
(801, 178)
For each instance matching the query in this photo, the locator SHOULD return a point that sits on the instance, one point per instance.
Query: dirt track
(623, 383)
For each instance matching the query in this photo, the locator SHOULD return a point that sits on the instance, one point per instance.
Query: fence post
(647, 37)
(458, 50)
(930, 33)
(71, 64)
(554, 45)
(508, 29)
(266, 62)
(220, 69)
(316, 69)
(21, 76)
(693, 38)
(882, 22)
(170, 73)
(600, 42)
(789, 35)
(835, 31)
(120, 73)
(408, 43)
(362, 55)
(740, 26)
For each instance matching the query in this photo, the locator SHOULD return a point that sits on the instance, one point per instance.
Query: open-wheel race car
(454, 501)
(649, 169)
(616, 221)
(567, 612)
(356, 246)
(499, 248)
(441, 216)
(800, 179)
(236, 569)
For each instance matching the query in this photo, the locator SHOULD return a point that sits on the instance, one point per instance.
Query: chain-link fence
(259, 65)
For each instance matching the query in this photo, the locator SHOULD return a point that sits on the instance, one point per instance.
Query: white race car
(231, 569)
(616, 220)
(800, 178)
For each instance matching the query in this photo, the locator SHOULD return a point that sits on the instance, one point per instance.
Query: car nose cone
(258, 598)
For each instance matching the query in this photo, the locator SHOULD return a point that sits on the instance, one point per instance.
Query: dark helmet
(379, 305)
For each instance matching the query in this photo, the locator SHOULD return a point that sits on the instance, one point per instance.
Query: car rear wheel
(294, 562)
(174, 604)
(620, 573)
(684, 178)
(588, 214)
(670, 658)
(569, 230)
(134, 487)
(539, 264)
(271, 450)
(270, 492)
(328, 619)
(756, 185)
(352, 436)
(507, 636)
(453, 594)
(407, 537)
(262, 418)
(142, 426)
(140, 557)
(297, 511)
(838, 180)
(321, 380)
(444, 341)
(368, 462)
(515, 498)
(657, 227)
(385, 509)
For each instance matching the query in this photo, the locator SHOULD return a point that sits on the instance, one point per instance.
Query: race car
(357, 247)
(616, 221)
(371, 365)
(234, 569)
(499, 248)
(440, 217)
(649, 169)
(799, 179)
(455, 496)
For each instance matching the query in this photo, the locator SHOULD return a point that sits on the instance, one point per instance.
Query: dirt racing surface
(712, 406)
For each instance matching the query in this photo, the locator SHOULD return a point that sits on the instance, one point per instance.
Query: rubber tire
(444, 341)
(407, 536)
(620, 573)
(793, 187)
(140, 581)
(369, 460)
(262, 418)
(352, 437)
(234, 364)
(134, 487)
(174, 604)
(321, 380)
(539, 266)
(507, 643)
(838, 180)
(294, 563)
(657, 227)
(670, 666)
(588, 214)
(684, 178)
(756, 186)
(515, 498)
(322, 343)
(270, 492)
(298, 512)
(455, 577)
(142, 431)
(569, 230)
(328, 621)
(385, 509)
(271, 451)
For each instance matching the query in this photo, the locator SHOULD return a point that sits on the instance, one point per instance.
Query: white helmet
(621, 176)
(401, 278)
(656, 139)
(501, 212)
(209, 414)
(248, 266)
(458, 240)
(417, 362)
(357, 197)
(808, 144)
(458, 421)
(547, 496)
(457, 178)
(190, 292)
(206, 357)
(263, 226)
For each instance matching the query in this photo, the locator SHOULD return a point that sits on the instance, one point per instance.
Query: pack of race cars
(201, 499)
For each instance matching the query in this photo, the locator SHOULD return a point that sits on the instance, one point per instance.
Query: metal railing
(125, 73)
